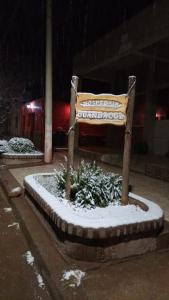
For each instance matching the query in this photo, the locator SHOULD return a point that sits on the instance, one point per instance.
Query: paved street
(20, 277)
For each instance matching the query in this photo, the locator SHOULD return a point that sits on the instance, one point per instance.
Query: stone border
(9, 183)
(117, 233)
(22, 156)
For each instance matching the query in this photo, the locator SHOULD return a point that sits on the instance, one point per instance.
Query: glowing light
(32, 106)
(67, 110)
(158, 115)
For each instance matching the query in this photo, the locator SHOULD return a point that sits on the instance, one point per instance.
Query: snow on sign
(101, 109)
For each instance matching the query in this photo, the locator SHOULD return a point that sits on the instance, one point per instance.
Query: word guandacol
(101, 115)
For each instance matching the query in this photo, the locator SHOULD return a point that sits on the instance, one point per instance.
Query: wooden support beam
(71, 134)
(128, 135)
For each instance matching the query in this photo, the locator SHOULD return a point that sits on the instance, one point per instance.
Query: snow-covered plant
(21, 145)
(4, 147)
(60, 177)
(90, 186)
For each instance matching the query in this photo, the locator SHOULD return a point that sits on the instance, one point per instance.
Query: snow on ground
(40, 281)
(29, 258)
(7, 209)
(15, 154)
(14, 224)
(110, 216)
(30, 261)
(74, 277)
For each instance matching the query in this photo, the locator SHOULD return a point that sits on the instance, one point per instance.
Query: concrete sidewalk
(154, 166)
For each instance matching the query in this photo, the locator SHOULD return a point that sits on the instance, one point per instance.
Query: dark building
(139, 46)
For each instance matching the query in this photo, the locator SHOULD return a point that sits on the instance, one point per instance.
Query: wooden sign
(101, 109)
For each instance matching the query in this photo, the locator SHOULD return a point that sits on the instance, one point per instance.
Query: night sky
(76, 24)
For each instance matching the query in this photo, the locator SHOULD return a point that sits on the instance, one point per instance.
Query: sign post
(102, 109)
(127, 142)
(71, 134)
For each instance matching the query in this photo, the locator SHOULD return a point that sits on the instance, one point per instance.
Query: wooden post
(48, 88)
(76, 137)
(128, 135)
(71, 134)
(77, 124)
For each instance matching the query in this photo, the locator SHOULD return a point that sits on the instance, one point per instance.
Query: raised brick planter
(80, 241)
(15, 159)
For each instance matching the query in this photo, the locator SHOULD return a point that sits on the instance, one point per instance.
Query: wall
(32, 122)
(161, 137)
(61, 112)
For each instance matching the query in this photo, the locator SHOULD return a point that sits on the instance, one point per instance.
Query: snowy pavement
(143, 277)
(20, 277)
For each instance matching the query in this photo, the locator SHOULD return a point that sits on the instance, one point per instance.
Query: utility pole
(48, 85)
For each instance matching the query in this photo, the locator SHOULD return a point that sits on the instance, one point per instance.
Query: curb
(9, 183)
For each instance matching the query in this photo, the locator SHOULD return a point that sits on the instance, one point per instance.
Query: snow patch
(29, 258)
(14, 224)
(7, 210)
(14, 154)
(74, 276)
(30, 261)
(40, 281)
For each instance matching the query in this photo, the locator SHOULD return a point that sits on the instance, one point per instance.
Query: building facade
(138, 47)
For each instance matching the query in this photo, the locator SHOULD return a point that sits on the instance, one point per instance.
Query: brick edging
(118, 232)
(18, 156)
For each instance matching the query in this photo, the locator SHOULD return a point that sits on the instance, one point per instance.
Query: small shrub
(21, 145)
(4, 147)
(90, 186)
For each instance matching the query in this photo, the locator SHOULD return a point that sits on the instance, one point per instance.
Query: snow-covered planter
(92, 221)
(21, 145)
(97, 222)
(19, 150)
(4, 147)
